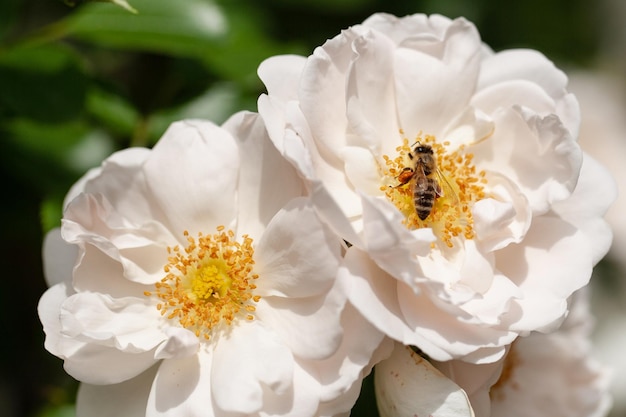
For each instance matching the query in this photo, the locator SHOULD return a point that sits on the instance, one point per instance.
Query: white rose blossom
(554, 375)
(509, 236)
(195, 279)
(541, 375)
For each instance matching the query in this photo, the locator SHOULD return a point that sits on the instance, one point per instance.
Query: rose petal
(471, 127)
(374, 294)
(96, 271)
(594, 193)
(370, 94)
(320, 81)
(445, 331)
(103, 365)
(523, 64)
(439, 69)
(192, 163)
(48, 309)
(281, 75)
(238, 376)
(302, 399)
(502, 219)
(180, 343)
(308, 326)
(475, 380)
(407, 385)
(182, 386)
(498, 97)
(390, 243)
(555, 261)
(266, 181)
(371, 291)
(291, 265)
(361, 169)
(361, 347)
(128, 398)
(119, 178)
(507, 68)
(441, 329)
(91, 218)
(560, 360)
(129, 324)
(58, 258)
(537, 153)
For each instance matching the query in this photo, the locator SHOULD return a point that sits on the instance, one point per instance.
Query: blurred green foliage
(77, 83)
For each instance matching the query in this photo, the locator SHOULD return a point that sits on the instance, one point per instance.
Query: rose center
(209, 282)
(433, 187)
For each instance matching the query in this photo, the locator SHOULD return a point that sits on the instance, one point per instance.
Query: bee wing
(446, 189)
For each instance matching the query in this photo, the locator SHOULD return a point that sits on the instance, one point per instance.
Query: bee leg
(405, 176)
(438, 191)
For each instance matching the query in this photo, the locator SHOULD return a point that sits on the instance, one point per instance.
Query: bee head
(421, 149)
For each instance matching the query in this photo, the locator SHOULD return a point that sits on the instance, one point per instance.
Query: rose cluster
(405, 200)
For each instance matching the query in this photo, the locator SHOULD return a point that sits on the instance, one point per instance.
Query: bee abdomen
(424, 196)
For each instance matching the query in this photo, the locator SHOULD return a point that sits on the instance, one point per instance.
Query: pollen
(457, 186)
(208, 283)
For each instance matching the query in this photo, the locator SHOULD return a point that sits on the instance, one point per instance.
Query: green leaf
(121, 3)
(174, 27)
(53, 140)
(227, 39)
(215, 104)
(331, 6)
(245, 47)
(45, 83)
(124, 5)
(112, 111)
(65, 410)
(51, 212)
(68, 147)
(9, 10)
(47, 59)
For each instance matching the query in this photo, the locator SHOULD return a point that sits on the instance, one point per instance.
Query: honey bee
(426, 179)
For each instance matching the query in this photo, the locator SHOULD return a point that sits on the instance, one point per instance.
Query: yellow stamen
(461, 186)
(209, 282)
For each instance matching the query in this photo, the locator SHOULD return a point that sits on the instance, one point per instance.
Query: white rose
(194, 279)
(541, 375)
(509, 235)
